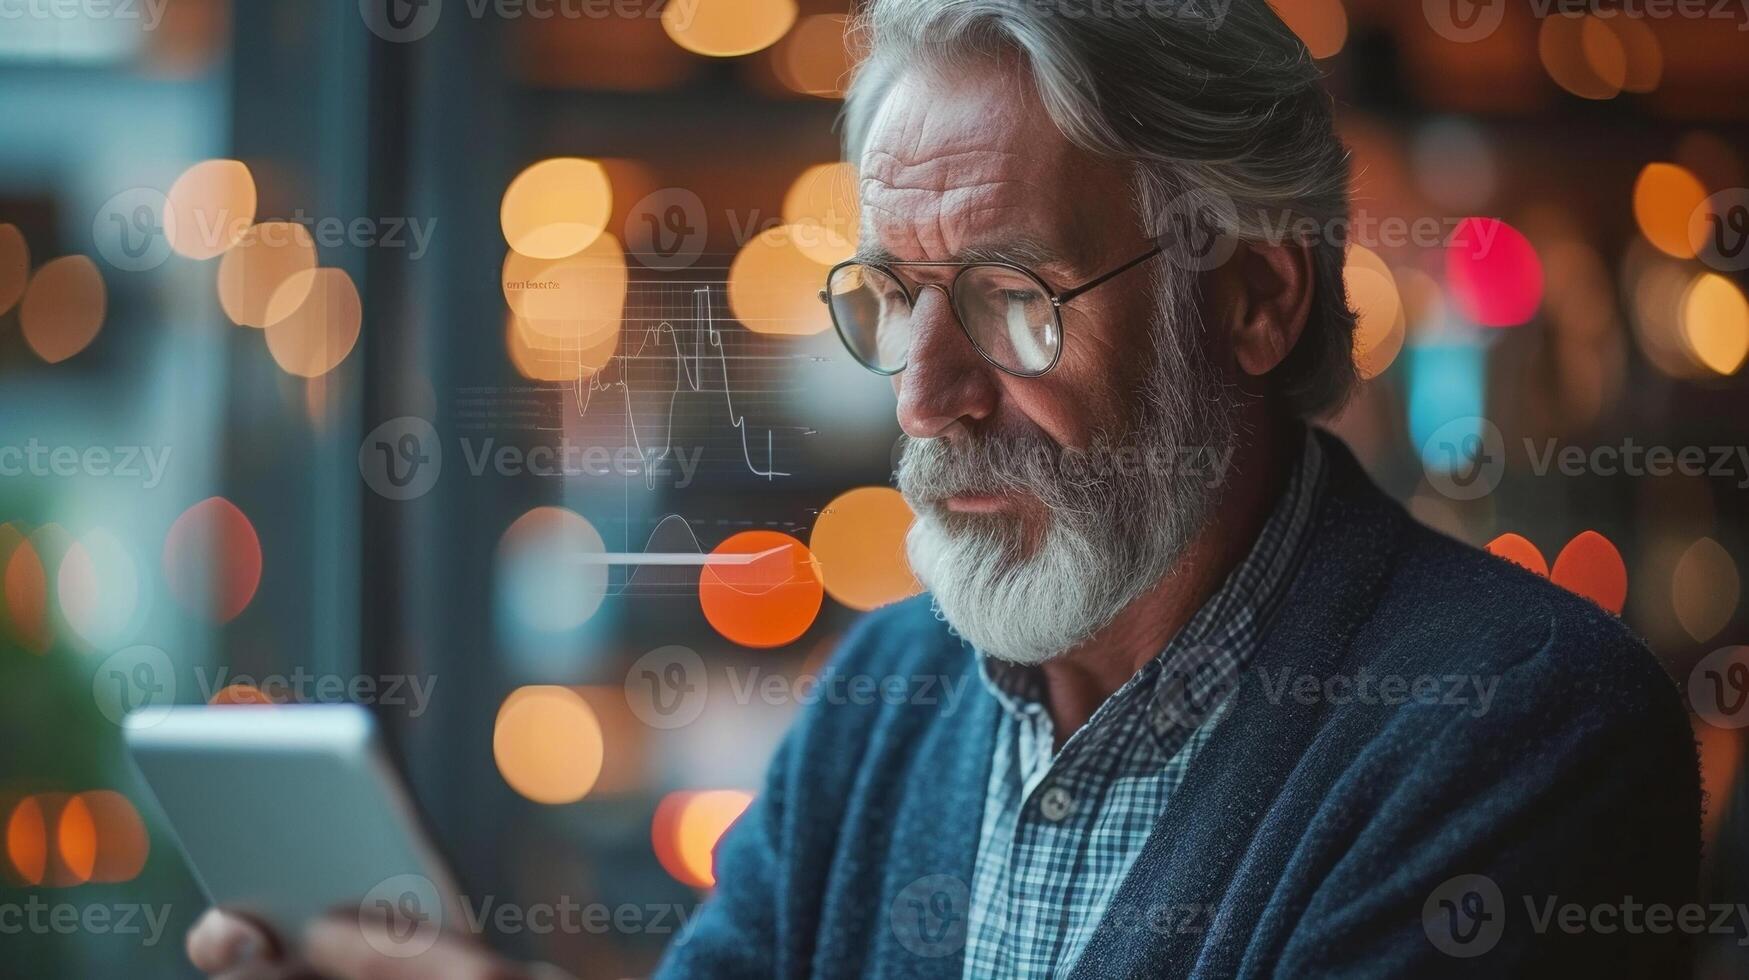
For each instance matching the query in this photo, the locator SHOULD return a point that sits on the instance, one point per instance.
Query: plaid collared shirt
(1061, 830)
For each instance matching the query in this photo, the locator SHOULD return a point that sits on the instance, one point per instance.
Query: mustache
(931, 470)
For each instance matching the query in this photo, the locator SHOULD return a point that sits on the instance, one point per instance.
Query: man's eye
(1018, 296)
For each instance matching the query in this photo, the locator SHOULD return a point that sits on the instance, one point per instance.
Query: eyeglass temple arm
(1069, 294)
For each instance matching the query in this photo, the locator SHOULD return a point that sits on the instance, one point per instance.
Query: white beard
(1106, 540)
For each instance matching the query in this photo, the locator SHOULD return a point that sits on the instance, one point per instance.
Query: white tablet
(290, 812)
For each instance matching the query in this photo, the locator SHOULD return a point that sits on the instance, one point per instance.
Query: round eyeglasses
(1012, 317)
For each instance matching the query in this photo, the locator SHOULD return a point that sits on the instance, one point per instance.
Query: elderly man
(1235, 713)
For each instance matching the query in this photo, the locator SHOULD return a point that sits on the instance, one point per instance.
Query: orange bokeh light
(1665, 195)
(774, 287)
(1592, 567)
(727, 28)
(209, 208)
(859, 541)
(27, 597)
(14, 265)
(556, 207)
(763, 603)
(1518, 550)
(548, 744)
(687, 827)
(251, 274)
(313, 321)
(212, 560)
(63, 308)
(27, 841)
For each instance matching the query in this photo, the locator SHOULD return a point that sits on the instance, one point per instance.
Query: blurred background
(442, 355)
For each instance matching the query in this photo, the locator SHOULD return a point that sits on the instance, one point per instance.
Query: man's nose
(945, 379)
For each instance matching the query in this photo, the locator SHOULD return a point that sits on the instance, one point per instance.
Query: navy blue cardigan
(1307, 838)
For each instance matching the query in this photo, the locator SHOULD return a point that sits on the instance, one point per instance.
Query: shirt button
(1056, 804)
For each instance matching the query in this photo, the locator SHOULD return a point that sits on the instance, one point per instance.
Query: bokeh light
(1322, 25)
(821, 211)
(1518, 549)
(251, 274)
(313, 321)
(98, 588)
(727, 28)
(546, 579)
(101, 838)
(1493, 273)
(1665, 195)
(1591, 566)
(1704, 589)
(1583, 56)
(209, 208)
(1715, 323)
(774, 287)
(27, 596)
(556, 207)
(27, 841)
(548, 744)
(14, 265)
(767, 602)
(579, 298)
(814, 59)
(859, 541)
(63, 307)
(539, 357)
(212, 560)
(687, 827)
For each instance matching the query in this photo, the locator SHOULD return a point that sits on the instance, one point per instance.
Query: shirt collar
(1203, 661)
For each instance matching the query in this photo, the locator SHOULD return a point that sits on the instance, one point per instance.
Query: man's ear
(1270, 295)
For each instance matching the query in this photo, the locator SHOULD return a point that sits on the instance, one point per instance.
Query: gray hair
(1207, 108)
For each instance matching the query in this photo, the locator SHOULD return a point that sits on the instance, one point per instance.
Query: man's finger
(221, 941)
(364, 948)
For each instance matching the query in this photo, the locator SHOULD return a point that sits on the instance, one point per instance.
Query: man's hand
(342, 947)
